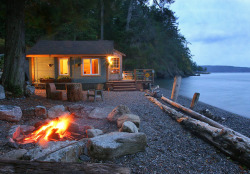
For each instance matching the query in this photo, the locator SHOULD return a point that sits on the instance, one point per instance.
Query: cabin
(86, 62)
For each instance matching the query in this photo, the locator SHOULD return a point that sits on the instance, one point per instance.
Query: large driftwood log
(28, 167)
(228, 141)
(74, 91)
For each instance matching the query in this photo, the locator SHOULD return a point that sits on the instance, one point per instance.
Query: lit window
(115, 66)
(90, 66)
(63, 66)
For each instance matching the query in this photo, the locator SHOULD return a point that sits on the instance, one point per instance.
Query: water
(229, 91)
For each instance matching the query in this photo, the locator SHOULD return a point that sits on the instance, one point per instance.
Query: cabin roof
(72, 47)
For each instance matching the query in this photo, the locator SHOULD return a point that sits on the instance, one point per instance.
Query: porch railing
(145, 75)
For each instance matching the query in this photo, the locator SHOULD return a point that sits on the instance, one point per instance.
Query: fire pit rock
(60, 151)
(100, 113)
(128, 117)
(94, 132)
(14, 154)
(118, 112)
(78, 110)
(40, 111)
(116, 144)
(29, 112)
(16, 131)
(57, 111)
(10, 113)
(128, 126)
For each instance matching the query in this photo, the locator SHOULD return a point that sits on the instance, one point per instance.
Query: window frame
(118, 68)
(82, 71)
(59, 66)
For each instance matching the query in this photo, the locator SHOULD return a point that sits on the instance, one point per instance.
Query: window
(90, 66)
(115, 66)
(63, 66)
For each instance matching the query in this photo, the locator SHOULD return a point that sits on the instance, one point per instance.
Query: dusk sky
(218, 30)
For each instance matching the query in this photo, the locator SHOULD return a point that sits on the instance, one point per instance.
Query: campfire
(60, 129)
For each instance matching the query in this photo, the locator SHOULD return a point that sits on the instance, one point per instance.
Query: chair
(98, 92)
(52, 93)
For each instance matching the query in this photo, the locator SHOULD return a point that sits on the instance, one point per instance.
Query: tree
(13, 74)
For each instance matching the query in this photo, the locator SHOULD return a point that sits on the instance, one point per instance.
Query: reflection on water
(229, 91)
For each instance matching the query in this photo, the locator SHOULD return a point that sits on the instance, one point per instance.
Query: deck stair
(125, 85)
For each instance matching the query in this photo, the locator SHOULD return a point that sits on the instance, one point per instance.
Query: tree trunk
(18, 166)
(102, 19)
(129, 14)
(74, 92)
(13, 75)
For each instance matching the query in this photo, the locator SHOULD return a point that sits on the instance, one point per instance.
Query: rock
(29, 112)
(128, 117)
(57, 111)
(94, 132)
(26, 129)
(117, 112)
(14, 154)
(10, 113)
(116, 144)
(85, 128)
(85, 158)
(128, 126)
(29, 90)
(14, 132)
(2, 92)
(100, 113)
(60, 151)
(40, 111)
(78, 110)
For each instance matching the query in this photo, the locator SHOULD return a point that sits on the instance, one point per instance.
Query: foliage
(152, 41)
(46, 78)
(63, 77)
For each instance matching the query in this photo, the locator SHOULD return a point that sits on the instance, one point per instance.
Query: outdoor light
(109, 60)
(50, 65)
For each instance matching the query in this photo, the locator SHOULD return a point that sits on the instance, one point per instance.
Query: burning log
(15, 166)
(228, 141)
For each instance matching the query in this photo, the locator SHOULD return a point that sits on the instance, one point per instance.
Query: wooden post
(176, 88)
(135, 75)
(194, 100)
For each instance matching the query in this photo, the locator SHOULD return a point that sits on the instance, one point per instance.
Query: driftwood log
(31, 167)
(74, 91)
(228, 141)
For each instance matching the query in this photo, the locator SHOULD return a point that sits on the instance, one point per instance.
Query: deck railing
(145, 75)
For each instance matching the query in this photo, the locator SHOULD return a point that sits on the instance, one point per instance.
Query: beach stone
(116, 144)
(29, 112)
(40, 111)
(60, 151)
(94, 132)
(57, 111)
(29, 90)
(128, 126)
(117, 112)
(128, 117)
(10, 113)
(2, 92)
(14, 154)
(100, 113)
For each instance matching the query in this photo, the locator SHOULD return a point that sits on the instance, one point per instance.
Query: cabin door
(115, 69)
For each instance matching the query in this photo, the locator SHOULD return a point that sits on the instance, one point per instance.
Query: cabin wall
(41, 68)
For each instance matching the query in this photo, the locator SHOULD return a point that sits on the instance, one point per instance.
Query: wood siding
(41, 68)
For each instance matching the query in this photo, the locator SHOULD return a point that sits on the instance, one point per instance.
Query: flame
(109, 60)
(56, 127)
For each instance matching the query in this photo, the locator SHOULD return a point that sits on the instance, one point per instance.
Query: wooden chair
(52, 93)
(96, 93)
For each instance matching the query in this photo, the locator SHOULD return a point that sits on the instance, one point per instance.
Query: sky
(218, 30)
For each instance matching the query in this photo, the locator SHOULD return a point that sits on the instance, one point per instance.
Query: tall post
(176, 88)
(194, 100)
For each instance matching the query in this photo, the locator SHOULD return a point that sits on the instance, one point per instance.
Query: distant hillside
(217, 68)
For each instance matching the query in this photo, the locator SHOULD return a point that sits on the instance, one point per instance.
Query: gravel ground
(171, 148)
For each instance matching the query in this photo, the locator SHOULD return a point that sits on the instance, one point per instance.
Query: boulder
(14, 154)
(10, 113)
(40, 111)
(78, 110)
(128, 117)
(100, 113)
(29, 112)
(94, 132)
(60, 151)
(29, 90)
(2, 92)
(128, 126)
(117, 112)
(57, 111)
(116, 144)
